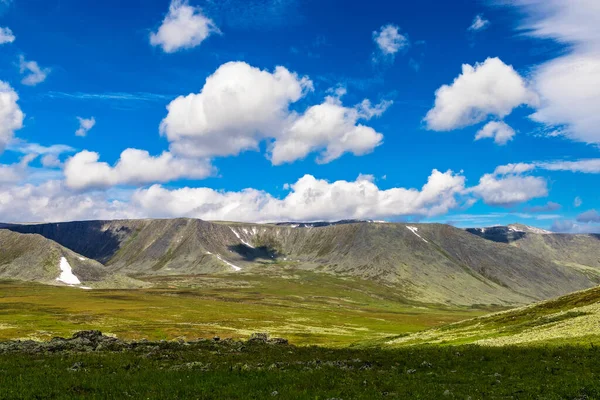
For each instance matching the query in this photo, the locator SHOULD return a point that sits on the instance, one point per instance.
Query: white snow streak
(235, 267)
(414, 230)
(240, 238)
(66, 275)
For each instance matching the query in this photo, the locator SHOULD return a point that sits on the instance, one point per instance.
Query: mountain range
(426, 263)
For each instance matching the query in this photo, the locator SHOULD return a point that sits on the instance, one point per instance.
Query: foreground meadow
(238, 370)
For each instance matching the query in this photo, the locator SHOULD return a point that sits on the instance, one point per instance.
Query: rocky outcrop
(95, 341)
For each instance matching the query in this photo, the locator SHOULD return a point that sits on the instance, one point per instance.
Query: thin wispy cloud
(479, 23)
(123, 96)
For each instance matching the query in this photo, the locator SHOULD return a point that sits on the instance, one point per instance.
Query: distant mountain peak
(528, 229)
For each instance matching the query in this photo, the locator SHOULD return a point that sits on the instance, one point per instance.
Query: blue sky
(276, 126)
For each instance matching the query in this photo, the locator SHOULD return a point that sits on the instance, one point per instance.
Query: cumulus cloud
(6, 36)
(589, 216)
(184, 27)
(497, 130)
(135, 167)
(506, 191)
(479, 23)
(85, 124)
(52, 201)
(491, 88)
(11, 116)
(240, 106)
(332, 127)
(34, 73)
(569, 85)
(389, 41)
(309, 199)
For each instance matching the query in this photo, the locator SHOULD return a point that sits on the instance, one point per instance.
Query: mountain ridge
(427, 262)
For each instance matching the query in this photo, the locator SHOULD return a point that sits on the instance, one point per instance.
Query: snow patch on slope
(235, 267)
(240, 238)
(414, 230)
(528, 229)
(66, 274)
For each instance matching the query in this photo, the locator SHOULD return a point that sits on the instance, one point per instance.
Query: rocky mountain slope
(576, 251)
(425, 262)
(31, 257)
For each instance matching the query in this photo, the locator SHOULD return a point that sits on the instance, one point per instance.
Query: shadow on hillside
(498, 234)
(84, 237)
(254, 253)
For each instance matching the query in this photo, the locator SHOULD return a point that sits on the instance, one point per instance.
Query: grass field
(304, 307)
(211, 370)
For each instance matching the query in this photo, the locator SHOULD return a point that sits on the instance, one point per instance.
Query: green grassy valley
(306, 308)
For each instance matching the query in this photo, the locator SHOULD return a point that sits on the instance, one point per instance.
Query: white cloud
(389, 40)
(240, 106)
(589, 216)
(569, 85)
(517, 168)
(309, 199)
(12, 173)
(497, 130)
(567, 226)
(587, 166)
(491, 88)
(510, 190)
(332, 127)
(50, 154)
(51, 161)
(135, 167)
(35, 74)
(184, 27)
(479, 23)
(6, 36)
(577, 202)
(21, 146)
(52, 201)
(11, 116)
(85, 124)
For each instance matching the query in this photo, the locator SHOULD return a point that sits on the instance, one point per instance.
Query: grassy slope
(306, 308)
(230, 371)
(32, 257)
(571, 319)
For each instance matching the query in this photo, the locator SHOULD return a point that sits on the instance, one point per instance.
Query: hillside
(577, 251)
(570, 319)
(31, 257)
(430, 263)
